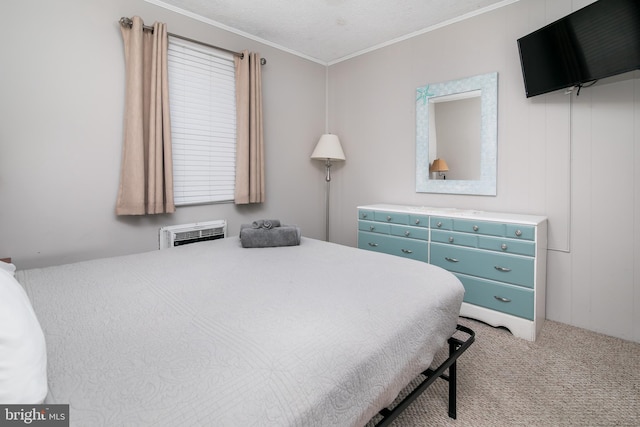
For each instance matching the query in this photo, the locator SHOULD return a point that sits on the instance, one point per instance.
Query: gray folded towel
(266, 223)
(270, 223)
(285, 235)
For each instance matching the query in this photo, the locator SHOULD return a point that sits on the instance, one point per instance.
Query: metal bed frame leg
(456, 348)
(453, 382)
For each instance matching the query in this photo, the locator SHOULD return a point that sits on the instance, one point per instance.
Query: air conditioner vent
(177, 235)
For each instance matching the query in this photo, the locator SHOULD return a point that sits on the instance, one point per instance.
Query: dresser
(500, 258)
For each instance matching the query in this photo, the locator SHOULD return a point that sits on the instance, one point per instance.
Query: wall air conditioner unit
(177, 235)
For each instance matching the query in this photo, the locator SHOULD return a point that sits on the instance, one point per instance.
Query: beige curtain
(146, 175)
(250, 143)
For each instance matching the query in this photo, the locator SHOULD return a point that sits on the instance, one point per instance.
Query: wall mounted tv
(597, 41)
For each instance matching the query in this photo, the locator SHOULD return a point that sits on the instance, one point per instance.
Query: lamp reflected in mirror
(439, 166)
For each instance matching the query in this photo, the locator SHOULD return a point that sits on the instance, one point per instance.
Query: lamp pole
(327, 198)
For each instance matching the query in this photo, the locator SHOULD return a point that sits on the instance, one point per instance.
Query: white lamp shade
(328, 147)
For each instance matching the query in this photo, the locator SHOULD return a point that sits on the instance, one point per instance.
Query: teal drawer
(410, 232)
(439, 223)
(365, 214)
(407, 248)
(419, 220)
(392, 217)
(497, 296)
(507, 245)
(519, 231)
(371, 241)
(479, 227)
(487, 264)
(374, 227)
(454, 238)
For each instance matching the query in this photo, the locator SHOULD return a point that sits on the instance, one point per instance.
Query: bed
(211, 333)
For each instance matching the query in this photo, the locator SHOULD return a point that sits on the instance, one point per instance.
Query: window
(203, 122)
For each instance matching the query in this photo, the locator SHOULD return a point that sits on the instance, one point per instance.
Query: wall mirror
(457, 121)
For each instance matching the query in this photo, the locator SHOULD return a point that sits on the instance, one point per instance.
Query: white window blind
(203, 122)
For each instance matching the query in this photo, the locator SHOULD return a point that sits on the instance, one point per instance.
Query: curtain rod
(128, 22)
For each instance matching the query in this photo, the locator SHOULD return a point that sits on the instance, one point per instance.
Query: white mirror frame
(486, 185)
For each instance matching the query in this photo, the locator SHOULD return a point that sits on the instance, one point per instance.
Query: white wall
(550, 152)
(61, 108)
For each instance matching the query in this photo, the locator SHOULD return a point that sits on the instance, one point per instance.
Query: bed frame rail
(456, 348)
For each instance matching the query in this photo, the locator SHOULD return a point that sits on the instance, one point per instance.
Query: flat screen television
(597, 41)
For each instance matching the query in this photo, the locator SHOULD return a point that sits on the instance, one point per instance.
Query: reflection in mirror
(456, 122)
(459, 144)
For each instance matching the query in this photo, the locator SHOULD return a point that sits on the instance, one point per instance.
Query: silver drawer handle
(417, 221)
(407, 233)
(518, 233)
(504, 269)
(451, 259)
(407, 251)
(364, 215)
(502, 299)
(373, 244)
(504, 246)
(371, 228)
(388, 218)
(475, 228)
(439, 224)
(450, 239)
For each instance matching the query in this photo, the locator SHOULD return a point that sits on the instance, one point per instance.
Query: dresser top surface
(458, 213)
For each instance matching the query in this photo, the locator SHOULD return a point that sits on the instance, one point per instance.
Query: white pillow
(23, 354)
(8, 267)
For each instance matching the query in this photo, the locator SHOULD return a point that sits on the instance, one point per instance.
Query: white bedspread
(213, 334)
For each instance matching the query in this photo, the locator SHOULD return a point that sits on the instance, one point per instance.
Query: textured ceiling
(329, 30)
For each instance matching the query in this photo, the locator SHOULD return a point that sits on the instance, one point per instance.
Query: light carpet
(567, 377)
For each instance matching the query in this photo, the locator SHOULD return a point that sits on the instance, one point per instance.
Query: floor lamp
(328, 149)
